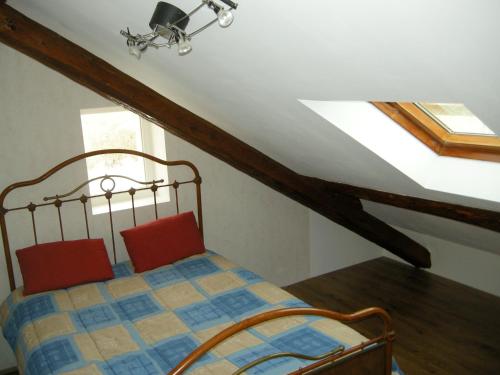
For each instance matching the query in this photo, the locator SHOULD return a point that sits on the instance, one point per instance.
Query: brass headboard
(58, 200)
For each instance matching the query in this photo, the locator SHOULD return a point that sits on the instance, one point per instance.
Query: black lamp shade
(167, 13)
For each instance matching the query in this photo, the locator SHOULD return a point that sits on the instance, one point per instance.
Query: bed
(200, 315)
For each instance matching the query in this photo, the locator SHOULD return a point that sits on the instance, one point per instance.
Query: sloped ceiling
(246, 79)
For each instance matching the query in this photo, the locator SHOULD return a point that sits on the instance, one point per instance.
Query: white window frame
(153, 143)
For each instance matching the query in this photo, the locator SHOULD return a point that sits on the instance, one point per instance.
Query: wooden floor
(442, 327)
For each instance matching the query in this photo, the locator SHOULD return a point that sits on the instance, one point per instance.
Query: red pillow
(59, 265)
(163, 241)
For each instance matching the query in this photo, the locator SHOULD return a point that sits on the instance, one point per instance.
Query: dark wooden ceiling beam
(382, 234)
(81, 66)
(469, 215)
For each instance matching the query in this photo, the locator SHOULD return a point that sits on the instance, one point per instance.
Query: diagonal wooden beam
(384, 235)
(81, 66)
(469, 215)
(368, 226)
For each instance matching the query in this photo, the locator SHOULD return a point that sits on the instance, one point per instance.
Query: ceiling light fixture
(170, 22)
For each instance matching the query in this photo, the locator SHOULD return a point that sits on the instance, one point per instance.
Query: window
(455, 118)
(118, 128)
(449, 129)
(380, 132)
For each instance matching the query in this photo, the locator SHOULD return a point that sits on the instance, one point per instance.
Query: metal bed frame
(372, 357)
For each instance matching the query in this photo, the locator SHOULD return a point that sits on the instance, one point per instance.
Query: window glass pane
(113, 129)
(456, 118)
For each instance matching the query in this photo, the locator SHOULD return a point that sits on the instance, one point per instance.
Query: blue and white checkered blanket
(145, 324)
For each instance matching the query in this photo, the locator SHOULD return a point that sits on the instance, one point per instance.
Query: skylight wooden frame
(437, 138)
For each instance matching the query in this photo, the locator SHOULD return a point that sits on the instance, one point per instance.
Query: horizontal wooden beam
(81, 66)
(470, 215)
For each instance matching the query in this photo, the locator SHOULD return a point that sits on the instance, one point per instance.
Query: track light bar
(170, 22)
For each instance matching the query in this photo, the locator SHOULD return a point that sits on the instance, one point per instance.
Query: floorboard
(442, 327)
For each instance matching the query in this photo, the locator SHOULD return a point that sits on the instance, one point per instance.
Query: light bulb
(135, 51)
(225, 18)
(183, 46)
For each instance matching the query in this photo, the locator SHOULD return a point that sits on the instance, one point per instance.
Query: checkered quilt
(145, 324)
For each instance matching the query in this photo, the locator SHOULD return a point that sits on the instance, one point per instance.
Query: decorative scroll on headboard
(74, 196)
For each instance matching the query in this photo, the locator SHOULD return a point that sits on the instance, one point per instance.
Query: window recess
(115, 127)
(449, 129)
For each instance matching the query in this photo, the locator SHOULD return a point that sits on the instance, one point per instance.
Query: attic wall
(40, 126)
(333, 247)
(248, 222)
(464, 264)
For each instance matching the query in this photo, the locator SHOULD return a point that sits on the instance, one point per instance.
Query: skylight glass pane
(456, 118)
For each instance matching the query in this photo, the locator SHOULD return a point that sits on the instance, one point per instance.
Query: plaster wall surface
(40, 126)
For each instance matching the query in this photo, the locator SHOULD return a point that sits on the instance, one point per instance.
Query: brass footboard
(371, 357)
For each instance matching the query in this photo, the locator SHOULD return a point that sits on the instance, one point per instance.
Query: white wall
(470, 266)
(248, 222)
(40, 126)
(333, 247)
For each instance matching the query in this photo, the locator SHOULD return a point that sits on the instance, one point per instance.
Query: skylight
(449, 129)
(455, 118)
(384, 136)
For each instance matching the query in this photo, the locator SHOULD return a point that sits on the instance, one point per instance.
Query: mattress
(145, 324)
